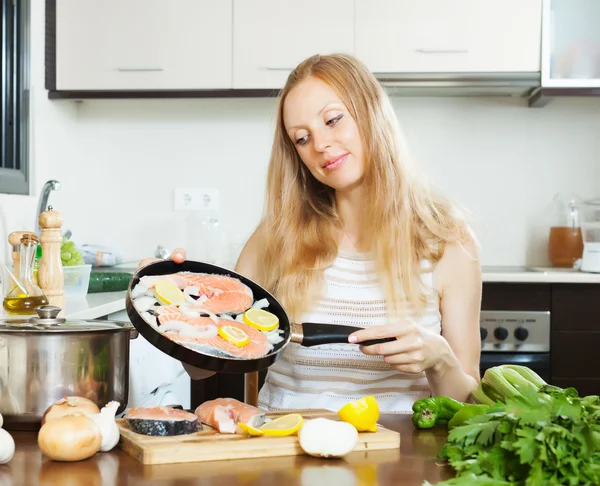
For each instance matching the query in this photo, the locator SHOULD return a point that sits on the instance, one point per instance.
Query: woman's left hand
(415, 349)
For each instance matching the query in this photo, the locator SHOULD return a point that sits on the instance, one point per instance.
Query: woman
(352, 235)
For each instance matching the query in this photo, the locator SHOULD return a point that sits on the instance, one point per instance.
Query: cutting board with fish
(210, 445)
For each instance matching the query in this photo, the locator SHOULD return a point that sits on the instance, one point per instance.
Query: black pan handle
(315, 334)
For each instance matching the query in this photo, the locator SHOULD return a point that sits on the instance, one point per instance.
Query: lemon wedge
(234, 335)
(285, 425)
(363, 414)
(251, 431)
(168, 293)
(261, 319)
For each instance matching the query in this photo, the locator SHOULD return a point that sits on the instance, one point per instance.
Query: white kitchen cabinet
(271, 37)
(143, 44)
(425, 36)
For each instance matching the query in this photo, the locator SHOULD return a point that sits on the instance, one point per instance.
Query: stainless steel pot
(45, 358)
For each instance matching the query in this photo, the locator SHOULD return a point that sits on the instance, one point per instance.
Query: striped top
(331, 375)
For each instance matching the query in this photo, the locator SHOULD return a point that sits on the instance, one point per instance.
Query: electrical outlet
(196, 199)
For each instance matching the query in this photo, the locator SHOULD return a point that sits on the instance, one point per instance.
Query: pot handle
(133, 332)
(313, 334)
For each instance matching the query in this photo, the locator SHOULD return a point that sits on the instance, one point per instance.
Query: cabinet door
(143, 44)
(449, 36)
(271, 37)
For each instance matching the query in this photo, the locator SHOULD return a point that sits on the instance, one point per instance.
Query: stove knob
(521, 333)
(483, 332)
(500, 333)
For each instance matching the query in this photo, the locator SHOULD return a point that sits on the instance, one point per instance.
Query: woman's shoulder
(459, 260)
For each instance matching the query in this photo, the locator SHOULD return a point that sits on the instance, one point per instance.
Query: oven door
(538, 362)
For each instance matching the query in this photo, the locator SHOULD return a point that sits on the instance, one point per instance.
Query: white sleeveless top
(331, 375)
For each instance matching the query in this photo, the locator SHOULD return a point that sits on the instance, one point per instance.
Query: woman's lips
(335, 163)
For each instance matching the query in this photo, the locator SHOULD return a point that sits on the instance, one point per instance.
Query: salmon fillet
(258, 346)
(223, 294)
(162, 421)
(224, 414)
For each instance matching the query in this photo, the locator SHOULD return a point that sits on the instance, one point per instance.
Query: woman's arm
(457, 279)
(450, 360)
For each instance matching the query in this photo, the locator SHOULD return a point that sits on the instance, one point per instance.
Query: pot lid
(47, 320)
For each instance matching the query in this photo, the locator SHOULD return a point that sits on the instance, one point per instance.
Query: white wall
(119, 162)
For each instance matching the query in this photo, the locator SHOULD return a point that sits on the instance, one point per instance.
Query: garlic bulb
(7, 446)
(108, 425)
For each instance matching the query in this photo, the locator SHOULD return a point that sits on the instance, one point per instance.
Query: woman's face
(324, 134)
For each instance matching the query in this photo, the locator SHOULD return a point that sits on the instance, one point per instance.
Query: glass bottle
(24, 296)
(565, 242)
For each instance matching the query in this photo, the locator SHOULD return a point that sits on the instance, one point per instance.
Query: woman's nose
(321, 140)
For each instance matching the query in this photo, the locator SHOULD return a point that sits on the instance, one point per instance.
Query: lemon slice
(261, 319)
(251, 431)
(168, 293)
(234, 335)
(363, 414)
(284, 425)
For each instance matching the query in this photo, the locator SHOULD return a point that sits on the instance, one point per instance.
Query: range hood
(520, 85)
(569, 67)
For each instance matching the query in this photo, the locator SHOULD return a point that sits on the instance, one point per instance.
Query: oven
(516, 337)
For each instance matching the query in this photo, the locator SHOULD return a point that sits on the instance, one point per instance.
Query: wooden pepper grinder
(14, 240)
(50, 273)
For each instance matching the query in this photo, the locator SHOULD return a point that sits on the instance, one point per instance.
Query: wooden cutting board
(209, 445)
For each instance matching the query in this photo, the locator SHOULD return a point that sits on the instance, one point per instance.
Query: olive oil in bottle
(24, 296)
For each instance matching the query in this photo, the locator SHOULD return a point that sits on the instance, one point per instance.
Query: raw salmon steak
(210, 342)
(218, 294)
(162, 421)
(224, 414)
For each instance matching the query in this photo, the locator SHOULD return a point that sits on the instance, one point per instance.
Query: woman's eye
(301, 141)
(333, 121)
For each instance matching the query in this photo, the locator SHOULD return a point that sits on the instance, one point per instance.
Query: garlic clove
(7, 446)
(108, 425)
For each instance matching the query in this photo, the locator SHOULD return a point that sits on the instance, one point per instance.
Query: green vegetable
(505, 381)
(465, 413)
(543, 435)
(434, 411)
(108, 282)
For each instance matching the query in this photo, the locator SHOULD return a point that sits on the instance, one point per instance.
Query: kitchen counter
(103, 304)
(92, 306)
(414, 463)
(537, 274)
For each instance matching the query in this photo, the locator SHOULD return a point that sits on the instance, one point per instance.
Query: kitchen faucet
(42, 204)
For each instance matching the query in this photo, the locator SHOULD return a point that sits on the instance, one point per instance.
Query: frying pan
(305, 334)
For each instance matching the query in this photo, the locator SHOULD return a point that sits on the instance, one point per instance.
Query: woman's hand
(178, 256)
(415, 349)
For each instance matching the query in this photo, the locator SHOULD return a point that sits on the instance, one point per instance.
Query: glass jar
(565, 243)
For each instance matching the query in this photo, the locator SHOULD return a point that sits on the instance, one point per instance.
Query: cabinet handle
(443, 51)
(129, 69)
(270, 68)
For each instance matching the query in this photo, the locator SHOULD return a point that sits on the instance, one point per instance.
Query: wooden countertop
(409, 466)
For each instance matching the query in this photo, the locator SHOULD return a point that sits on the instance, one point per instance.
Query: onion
(149, 318)
(261, 304)
(144, 303)
(70, 438)
(189, 291)
(323, 437)
(185, 329)
(69, 406)
(139, 290)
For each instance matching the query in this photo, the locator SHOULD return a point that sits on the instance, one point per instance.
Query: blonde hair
(404, 221)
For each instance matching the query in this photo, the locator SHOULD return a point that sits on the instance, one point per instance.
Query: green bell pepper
(434, 411)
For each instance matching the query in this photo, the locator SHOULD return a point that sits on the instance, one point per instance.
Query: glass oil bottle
(24, 296)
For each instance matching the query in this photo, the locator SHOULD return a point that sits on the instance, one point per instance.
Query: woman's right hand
(178, 256)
